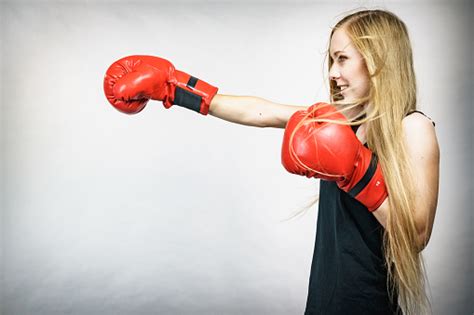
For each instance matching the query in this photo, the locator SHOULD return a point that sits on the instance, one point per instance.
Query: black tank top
(348, 272)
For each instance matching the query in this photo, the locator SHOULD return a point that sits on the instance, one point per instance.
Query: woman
(377, 201)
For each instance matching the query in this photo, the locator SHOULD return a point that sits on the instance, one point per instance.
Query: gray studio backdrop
(171, 212)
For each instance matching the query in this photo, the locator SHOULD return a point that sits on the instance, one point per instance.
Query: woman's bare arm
(423, 153)
(252, 111)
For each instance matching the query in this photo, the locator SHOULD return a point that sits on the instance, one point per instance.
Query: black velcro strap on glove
(188, 99)
(366, 178)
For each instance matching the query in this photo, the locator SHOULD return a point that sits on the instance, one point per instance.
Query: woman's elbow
(422, 241)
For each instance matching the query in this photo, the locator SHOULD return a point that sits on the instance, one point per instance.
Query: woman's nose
(334, 74)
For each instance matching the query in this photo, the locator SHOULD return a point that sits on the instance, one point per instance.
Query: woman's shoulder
(420, 134)
(417, 117)
(418, 123)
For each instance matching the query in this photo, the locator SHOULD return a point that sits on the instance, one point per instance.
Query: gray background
(170, 212)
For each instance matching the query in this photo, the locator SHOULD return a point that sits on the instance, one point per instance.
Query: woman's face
(348, 69)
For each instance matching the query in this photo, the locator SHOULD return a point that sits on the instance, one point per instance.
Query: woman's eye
(341, 58)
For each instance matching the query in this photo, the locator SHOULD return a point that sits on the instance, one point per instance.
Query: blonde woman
(376, 155)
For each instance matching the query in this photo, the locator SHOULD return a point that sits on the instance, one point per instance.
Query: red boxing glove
(131, 81)
(332, 152)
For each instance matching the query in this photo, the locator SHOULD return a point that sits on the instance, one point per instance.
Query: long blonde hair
(382, 39)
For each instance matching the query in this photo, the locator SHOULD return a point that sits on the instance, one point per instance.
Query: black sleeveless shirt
(348, 272)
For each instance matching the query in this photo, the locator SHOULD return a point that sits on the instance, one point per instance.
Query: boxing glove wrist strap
(195, 95)
(369, 173)
(371, 190)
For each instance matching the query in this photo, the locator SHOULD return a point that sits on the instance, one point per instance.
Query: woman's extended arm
(133, 80)
(252, 111)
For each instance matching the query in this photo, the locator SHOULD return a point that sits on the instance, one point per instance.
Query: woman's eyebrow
(337, 52)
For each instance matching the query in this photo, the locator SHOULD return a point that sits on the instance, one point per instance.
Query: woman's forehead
(340, 42)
